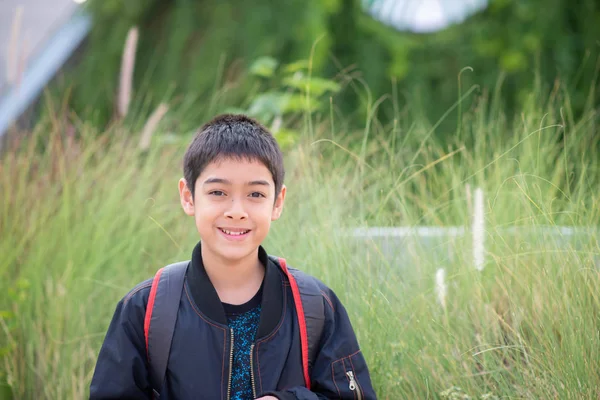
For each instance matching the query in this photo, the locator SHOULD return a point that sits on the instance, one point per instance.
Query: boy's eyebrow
(216, 180)
(227, 182)
(260, 182)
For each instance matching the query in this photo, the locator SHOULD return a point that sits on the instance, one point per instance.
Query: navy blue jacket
(198, 364)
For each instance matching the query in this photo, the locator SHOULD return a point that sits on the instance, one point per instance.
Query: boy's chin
(232, 253)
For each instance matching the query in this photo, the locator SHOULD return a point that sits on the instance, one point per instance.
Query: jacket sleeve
(121, 370)
(340, 370)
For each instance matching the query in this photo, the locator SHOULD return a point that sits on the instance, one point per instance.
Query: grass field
(85, 216)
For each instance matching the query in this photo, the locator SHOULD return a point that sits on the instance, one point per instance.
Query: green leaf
(267, 105)
(315, 86)
(299, 103)
(513, 61)
(264, 66)
(300, 65)
(286, 137)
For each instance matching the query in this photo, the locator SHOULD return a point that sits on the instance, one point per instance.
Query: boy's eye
(217, 193)
(257, 195)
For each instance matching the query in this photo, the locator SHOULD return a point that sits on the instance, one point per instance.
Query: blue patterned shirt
(243, 319)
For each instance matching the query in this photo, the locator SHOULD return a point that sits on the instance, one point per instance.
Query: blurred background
(190, 51)
(443, 173)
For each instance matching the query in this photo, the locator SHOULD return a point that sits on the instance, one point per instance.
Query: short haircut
(233, 136)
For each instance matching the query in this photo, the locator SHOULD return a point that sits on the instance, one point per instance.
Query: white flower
(440, 287)
(478, 231)
(127, 67)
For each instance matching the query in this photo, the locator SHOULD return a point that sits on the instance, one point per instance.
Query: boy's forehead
(233, 162)
(237, 167)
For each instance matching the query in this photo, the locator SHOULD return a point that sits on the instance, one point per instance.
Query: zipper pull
(352, 383)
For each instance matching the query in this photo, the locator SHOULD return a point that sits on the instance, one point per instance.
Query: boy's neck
(235, 282)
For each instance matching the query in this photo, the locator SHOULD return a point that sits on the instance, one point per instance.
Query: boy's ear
(278, 206)
(186, 198)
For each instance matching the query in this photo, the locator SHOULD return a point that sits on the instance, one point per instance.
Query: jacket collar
(207, 300)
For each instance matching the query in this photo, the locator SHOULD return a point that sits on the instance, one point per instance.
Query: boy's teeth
(234, 233)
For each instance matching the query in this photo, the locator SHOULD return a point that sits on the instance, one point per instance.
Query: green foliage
(189, 48)
(288, 92)
(529, 43)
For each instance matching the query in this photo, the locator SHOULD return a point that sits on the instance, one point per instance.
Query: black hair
(233, 136)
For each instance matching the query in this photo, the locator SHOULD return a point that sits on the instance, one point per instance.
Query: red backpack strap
(160, 319)
(311, 315)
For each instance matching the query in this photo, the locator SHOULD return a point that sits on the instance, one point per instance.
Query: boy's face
(233, 206)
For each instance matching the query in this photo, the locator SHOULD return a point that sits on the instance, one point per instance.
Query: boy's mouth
(234, 232)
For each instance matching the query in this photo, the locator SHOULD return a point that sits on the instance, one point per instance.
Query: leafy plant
(286, 91)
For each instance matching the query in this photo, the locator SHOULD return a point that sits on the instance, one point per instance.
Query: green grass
(82, 220)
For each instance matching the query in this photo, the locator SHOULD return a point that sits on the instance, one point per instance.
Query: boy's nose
(236, 210)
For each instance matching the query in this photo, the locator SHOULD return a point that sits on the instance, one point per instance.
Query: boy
(240, 329)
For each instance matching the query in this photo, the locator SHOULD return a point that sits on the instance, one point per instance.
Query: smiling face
(233, 205)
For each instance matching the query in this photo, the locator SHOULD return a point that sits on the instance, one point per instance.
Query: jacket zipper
(252, 371)
(353, 385)
(230, 365)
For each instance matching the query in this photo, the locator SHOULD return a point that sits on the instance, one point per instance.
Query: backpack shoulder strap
(311, 312)
(159, 322)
